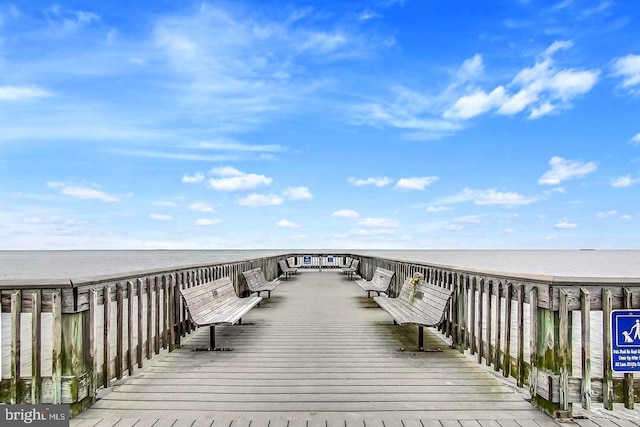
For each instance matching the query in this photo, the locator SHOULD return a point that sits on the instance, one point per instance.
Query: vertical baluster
(56, 347)
(627, 386)
(506, 370)
(16, 314)
(472, 319)
(607, 374)
(565, 346)
(139, 288)
(130, 327)
(497, 357)
(119, 329)
(585, 311)
(480, 320)
(521, 363)
(106, 370)
(36, 341)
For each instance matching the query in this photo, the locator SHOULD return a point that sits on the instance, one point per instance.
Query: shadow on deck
(318, 352)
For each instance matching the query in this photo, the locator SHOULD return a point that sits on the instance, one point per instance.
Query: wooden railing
(549, 334)
(61, 342)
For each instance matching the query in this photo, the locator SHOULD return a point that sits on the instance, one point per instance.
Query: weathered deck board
(317, 353)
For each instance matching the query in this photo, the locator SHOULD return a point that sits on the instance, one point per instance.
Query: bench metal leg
(421, 346)
(212, 342)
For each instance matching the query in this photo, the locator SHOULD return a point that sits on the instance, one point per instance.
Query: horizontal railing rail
(62, 341)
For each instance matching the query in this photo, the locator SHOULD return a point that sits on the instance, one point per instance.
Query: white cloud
(257, 200)
(510, 230)
(193, 179)
(562, 170)
(540, 89)
(479, 102)
(628, 67)
(636, 139)
(378, 182)
(83, 192)
(409, 110)
(468, 219)
(493, 197)
(160, 217)
(607, 214)
(234, 180)
(201, 207)
(346, 213)
(488, 197)
(471, 68)
(368, 14)
(415, 183)
(287, 224)
(565, 225)
(436, 209)
(204, 222)
(165, 204)
(624, 181)
(13, 93)
(378, 223)
(298, 193)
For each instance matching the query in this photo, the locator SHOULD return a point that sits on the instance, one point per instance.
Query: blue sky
(365, 124)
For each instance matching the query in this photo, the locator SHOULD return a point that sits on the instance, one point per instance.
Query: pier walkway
(317, 353)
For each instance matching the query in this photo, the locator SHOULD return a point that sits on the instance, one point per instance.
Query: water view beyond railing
(62, 342)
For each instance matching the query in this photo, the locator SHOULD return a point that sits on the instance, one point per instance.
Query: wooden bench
(427, 309)
(353, 268)
(216, 303)
(256, 282)
(379, 283)
(286, 270)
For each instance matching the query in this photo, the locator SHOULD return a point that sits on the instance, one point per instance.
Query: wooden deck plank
(318, 353)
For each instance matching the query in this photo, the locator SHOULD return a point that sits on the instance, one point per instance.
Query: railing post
(550, 359)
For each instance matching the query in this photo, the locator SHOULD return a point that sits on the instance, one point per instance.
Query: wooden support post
(16, 314)
(119, 329)
(487, 357)
(130, 327)
(480, 320)
(564, 362)
(93, 344)
(507, 331)
(521, 375)
(627, 385)
(36, 350)
(472, 319)
(156, 292)
(139, 355)
(56, 347)
(607, 372)
(585, 311)
(106, 343)
(149, 318)
(497, 355)
(533, 341)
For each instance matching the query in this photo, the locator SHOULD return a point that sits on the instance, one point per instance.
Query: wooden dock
(318, 352)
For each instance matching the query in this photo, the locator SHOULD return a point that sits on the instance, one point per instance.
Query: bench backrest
(382, 277)
(254, 277)
(283, 265)
(354, 264)
(202, 299)
(430, 299)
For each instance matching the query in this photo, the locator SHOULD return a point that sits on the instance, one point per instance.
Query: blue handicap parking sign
(625, 340)
(306, 260)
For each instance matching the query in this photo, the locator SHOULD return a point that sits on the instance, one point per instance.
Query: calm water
(80, 264)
